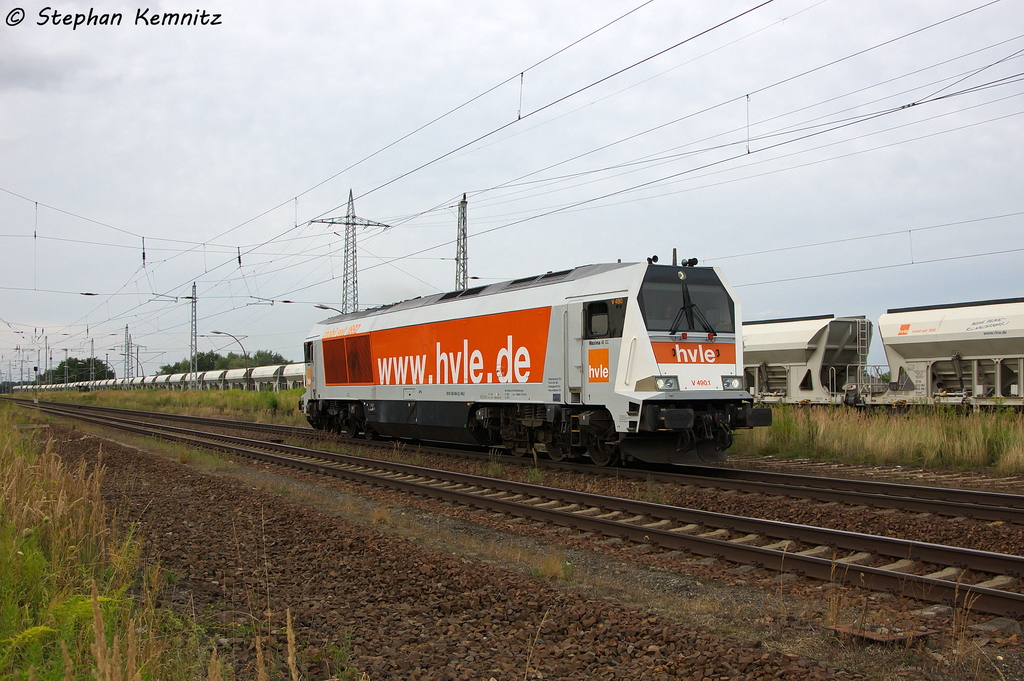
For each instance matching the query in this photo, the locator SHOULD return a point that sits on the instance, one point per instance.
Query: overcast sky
(830, 156)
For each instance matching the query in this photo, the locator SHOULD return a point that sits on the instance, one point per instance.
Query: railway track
(949, 502)
(980, 580)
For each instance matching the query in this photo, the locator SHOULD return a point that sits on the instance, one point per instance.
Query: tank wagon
(611, 361)
(963, 354)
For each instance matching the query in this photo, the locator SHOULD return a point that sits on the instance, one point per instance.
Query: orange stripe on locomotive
(508, 347)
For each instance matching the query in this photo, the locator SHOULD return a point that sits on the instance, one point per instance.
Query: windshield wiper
(691, 311)
(677, 321)
(702, 319)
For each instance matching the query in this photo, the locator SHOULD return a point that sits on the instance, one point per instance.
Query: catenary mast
(350, 280)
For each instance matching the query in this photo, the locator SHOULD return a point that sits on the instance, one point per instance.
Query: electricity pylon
(350, 278)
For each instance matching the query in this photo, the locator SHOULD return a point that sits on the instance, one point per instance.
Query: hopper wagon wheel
(557, 452)
(603, 455)
(370, 433)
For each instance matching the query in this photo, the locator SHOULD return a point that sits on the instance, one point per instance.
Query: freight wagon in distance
(959, 354)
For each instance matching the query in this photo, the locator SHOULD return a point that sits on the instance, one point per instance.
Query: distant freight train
(967, 353)
(611, 362)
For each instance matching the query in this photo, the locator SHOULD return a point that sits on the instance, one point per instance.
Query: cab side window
(597, 320)
(604, 318)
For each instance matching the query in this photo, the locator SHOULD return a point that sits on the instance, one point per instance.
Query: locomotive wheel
(370, 433)
(347, 431)
(602, 456)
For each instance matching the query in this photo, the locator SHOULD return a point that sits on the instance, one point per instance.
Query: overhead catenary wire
(606, 77)
(762, 89)
(659, 180)
(568, 96)
(543, 107)
(262, 256)
(476, 193)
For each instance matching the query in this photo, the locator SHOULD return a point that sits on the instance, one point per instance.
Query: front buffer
(689, 431)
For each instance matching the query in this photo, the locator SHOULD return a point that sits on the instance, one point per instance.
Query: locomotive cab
(693, 398)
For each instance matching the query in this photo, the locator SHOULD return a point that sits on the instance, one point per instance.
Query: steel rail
(296, 431)
(913, 492)
(414, 479)
(952, 502)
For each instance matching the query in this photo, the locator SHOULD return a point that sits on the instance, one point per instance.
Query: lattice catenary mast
(193, 343)
(350, 280)
(127, 353)
(461, 254)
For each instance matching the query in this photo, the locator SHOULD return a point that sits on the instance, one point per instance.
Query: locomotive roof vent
(516, 283)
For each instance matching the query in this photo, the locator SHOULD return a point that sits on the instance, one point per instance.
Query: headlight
(666, 383)
(732, 382)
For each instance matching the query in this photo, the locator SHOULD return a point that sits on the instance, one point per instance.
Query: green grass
(937, 437)
(263, 406)
(71, 579)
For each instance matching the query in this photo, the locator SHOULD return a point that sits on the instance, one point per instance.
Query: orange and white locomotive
(614, 362)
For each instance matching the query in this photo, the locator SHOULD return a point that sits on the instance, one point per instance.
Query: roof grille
(462, 294)
(521, 282)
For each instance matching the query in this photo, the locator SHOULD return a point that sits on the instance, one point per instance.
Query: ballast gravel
(242, 557)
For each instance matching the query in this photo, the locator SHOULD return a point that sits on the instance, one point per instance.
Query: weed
(652, 492)
(554, 566)
(535, 475)
(838, 592)
(533, 644)
(959, 633)
(380, 515)
(337, 657)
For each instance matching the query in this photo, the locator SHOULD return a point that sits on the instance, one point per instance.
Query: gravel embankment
(409, 612)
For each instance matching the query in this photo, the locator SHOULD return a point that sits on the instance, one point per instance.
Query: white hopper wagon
(806, 360)
(293, 376)
(952, 354)
(266, 378)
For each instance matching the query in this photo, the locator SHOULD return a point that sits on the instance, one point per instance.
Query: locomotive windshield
(676, 299)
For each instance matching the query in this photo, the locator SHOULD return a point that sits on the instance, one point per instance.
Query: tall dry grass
(76, 599)
(938, 437)
(72, 602)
